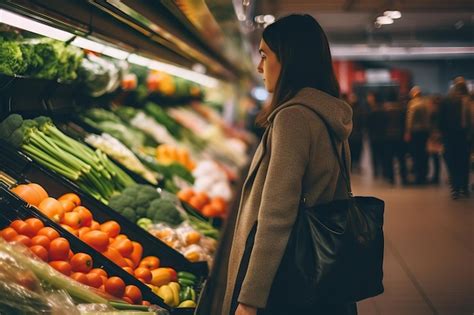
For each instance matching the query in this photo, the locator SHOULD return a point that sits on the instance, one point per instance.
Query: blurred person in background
(455, 121)
(394, 147)
(375, 129)
(417, 129)
(358, 126)
(434, 145)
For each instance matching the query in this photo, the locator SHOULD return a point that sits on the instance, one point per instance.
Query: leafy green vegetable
(161, 210)
(11, 58)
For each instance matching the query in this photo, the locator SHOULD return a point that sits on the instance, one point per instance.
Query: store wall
(435, 76)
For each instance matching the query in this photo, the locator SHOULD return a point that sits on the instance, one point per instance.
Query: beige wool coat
(294, 159)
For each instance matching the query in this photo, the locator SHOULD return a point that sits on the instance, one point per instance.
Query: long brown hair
(302, 49)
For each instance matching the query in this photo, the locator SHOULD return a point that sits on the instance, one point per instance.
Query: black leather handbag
(335, 250)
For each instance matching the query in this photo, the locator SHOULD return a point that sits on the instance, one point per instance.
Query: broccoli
(161, 210)
(11, 58)
(9, 125)
(129, 214)
(136, 198)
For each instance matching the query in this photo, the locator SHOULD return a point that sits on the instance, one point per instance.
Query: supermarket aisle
(429, 251)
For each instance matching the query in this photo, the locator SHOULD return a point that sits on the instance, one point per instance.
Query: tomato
(61, 266)
(96, 239)
(128, 269)
(73, 219)
(23, 228)
(83, 230)
(59, 249)
(99, 271)
(146, 303)
(69, 229)
(133, 293)
(143, 273)
(68, 205)
(127, 299)
(150, 262)
(41, 240)
(35, 224)
(124, 246)
(121, 237)
(115, 286)
(114, 255)
(196, 203)
(69, 256)
(23, 239)
(8, 234)
(71, 197)
(81, 262)
(52, 209)
(85, 215)
(112, 228)
(49, 232)
(94, 280)
(186, 194)
(40, 251)
(80, 277)
(129, 262)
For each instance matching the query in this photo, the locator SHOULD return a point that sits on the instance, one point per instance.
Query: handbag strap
(342, 161)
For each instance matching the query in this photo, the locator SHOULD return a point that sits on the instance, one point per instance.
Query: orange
(49, 232)
(203, 197)
(128, 269)
(94, 280)
(95, 225)
(68, 205)
(150, 262)
(71, 197)
(136, 254)
(83, 230)
(61, 266)
(73, 219)
(196, 203)
(85, 215)
(80, 277)
(8, 233)
(59, 249)
(81, 262)
(28, 194)
(114, 255)
(40, 251)
(134, 294)
(35, 224)
(96, 239)
(69, 229)
(209, 211)
(186, 194)
(52, 209)
(124, 246)
(115, 286)
(99, 271)
(143, 273)
(112, 228)
(23, 239)
(39, 190)
(41, 240)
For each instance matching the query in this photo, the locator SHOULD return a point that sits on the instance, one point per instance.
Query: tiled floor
(429, 251)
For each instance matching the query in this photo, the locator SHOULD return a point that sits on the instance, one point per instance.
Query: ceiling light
(260, 19)
(115, 53)
(139, 60)
(393, 14)
(384, 20)
(184, 73)
(241, 17)
(268, 19)
(30, 25)
(88, 44)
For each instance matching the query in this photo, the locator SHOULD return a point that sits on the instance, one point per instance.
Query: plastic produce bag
(99, 75)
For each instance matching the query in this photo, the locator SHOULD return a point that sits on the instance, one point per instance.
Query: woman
(294, 160)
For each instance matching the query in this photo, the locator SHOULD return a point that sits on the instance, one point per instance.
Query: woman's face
(269, 66)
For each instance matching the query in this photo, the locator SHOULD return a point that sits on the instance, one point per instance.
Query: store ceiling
(443, 22)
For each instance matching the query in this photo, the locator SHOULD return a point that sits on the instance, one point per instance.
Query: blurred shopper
(434, 146)
(417, 129)
(376, 129)
(358, 126)
(295, 158)
(456, 127)
(394, 147)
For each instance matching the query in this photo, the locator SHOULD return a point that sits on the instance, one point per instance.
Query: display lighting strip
(403, 52)
(21, 22)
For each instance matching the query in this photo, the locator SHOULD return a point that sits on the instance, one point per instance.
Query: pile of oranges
(105, 238)
(209, 207)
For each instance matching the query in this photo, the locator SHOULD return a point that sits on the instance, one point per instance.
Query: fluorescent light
(268, 19)
(260, 19)
(115, 53)
(393, 14)
(384, 20)
(365, 51)
(88, 44)
(184, 73)
(30, 25)
(139, 60)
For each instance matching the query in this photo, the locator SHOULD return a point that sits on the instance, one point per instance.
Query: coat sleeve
(289, 155)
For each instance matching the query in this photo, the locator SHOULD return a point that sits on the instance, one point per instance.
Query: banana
(175, 287)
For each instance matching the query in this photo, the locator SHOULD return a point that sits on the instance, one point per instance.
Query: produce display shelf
(14, 208)
(23, 169)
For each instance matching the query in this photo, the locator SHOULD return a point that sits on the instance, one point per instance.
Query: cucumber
(187, 275)
(185, 282)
